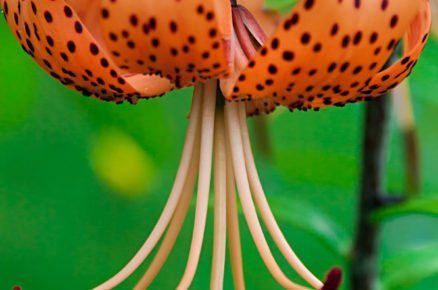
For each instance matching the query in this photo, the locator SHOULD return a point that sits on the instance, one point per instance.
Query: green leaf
(280, 5)
(411, 267)
(313, 222)
(423, 206)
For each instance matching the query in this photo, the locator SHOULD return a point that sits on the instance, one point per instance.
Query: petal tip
(333, 279)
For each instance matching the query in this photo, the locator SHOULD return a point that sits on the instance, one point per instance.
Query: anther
(333, 279)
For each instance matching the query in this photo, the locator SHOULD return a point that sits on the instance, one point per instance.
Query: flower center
(218, 142)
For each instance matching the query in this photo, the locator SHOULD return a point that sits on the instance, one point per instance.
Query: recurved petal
(51, 32)
(187, 41)
(413, 44)
(325, 51)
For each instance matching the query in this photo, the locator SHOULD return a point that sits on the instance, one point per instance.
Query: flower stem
(364, 264)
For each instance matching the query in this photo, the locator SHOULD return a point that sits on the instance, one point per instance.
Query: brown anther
(333, 279)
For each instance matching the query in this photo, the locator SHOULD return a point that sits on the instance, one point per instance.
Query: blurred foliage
(313, 222)
(83, 182)
(410, 267)
(426, 206)
(121, 163)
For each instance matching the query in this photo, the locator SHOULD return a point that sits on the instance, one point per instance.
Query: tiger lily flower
(323, 53)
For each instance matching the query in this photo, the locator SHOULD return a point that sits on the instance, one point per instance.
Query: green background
(83, 182)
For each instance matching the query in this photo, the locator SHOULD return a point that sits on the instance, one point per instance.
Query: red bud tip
(333, 279)
(16, 288)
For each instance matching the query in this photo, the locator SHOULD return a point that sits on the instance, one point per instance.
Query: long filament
(174, 227)
(207, 131)
(249, 210)
(220, 205)
(172, 202)
(233, 227)
(265, 210)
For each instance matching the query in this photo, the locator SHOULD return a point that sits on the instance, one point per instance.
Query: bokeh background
(83, 182)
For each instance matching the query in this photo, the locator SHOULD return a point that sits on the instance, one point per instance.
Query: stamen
(333, 280)
(208, 117)
(172, 202)
(249, 210)
(174, 227)
(265, 210)
(233, 227)
(220, 205)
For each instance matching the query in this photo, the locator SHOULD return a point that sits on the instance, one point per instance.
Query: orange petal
(88, 11)
(325, 51)
(83, 8)
(186, 41)
(52, 33)
(414, 44)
